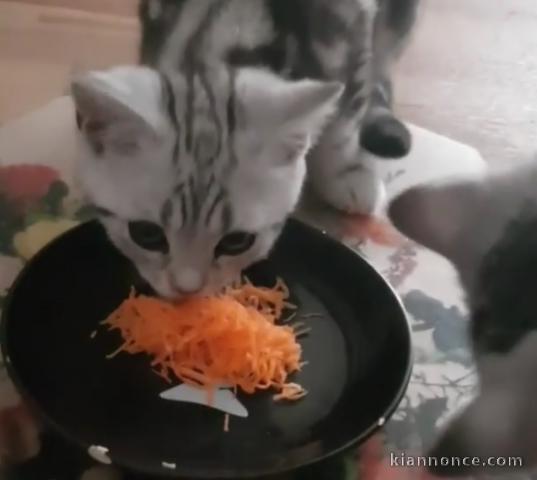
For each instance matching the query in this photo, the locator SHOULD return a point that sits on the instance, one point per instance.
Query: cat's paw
(358, 192)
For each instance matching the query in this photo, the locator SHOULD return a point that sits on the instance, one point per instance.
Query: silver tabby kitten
(487, 227)
(196, 157)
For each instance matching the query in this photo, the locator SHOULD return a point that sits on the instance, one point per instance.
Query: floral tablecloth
(38, 200)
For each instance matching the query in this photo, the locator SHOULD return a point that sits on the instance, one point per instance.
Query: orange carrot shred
(226, 422)
(228, 339)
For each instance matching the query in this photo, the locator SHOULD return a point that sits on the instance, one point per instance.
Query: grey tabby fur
(487, 227)
(233, 103)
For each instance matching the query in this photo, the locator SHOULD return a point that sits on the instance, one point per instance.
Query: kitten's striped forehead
(198, 202)
(201, 107)
(200, 101)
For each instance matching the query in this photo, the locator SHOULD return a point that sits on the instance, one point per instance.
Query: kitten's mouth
(166, 290)
(177, 296)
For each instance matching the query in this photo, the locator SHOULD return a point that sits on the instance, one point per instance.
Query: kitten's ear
(435, 215)
(116, 108)
(290, 113)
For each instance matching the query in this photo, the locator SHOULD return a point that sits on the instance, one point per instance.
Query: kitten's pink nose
(188, 281)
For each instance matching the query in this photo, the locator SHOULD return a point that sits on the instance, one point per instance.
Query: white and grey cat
(487, 227)
(196, 157)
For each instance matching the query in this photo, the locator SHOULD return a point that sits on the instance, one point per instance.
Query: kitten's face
(194, 177)
(487, 227)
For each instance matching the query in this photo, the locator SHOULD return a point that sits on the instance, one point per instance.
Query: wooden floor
(42, 43)
(470, 72)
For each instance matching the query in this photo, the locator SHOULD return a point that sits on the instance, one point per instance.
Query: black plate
(359, 356)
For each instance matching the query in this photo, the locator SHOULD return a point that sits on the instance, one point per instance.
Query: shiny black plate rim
(179, 473)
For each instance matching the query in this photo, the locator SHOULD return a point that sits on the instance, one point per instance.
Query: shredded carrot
(228, 339)
(226, 422)
(290, 391)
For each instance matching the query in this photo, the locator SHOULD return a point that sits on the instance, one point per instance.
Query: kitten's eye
(149, 236)
(234, 243)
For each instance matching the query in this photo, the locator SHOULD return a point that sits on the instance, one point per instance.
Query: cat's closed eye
(149, 236)
(234, 243)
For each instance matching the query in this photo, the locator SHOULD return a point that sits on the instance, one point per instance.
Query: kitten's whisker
(289, 318)
(303, 332)
(298, 325)
(312, 315)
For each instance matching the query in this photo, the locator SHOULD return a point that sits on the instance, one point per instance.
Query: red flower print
(19, 435)
(370, 457)
(386, 471)
(376, 464)
(24, 185)
(402, 263)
